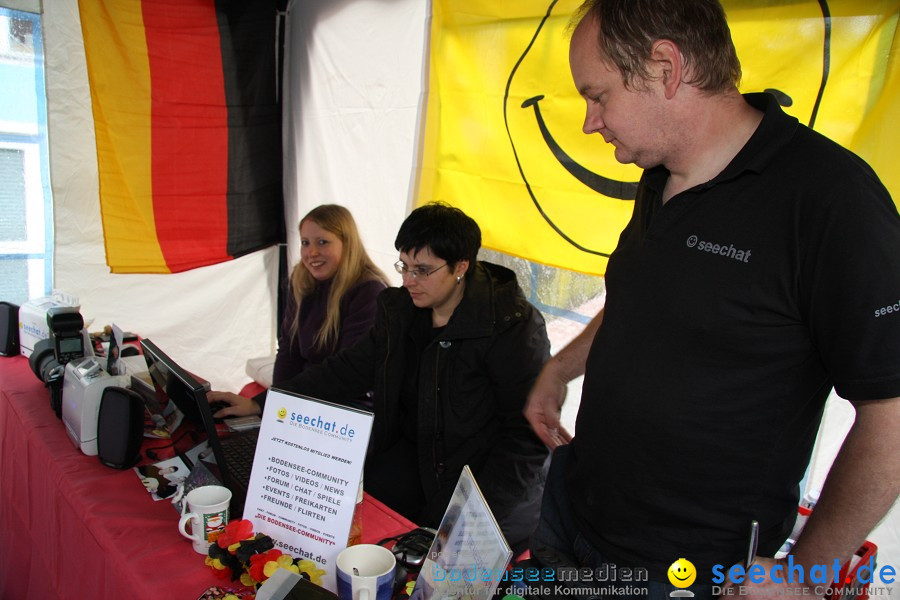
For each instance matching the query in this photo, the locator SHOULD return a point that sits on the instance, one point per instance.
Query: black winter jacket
(473, 381)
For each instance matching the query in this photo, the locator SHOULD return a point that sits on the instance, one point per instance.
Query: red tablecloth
(71, 527)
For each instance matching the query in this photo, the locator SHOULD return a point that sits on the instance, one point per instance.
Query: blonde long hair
(355, 267)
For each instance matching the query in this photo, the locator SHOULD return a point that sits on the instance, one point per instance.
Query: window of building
(26, 220)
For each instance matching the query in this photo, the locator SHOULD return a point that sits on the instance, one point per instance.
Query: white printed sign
(306, 475)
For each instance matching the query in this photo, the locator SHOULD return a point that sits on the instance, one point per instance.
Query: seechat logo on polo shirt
(889, 309)
(726, 250)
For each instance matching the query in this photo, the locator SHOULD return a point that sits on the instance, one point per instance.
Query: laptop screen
(174, 383)
(189, 395)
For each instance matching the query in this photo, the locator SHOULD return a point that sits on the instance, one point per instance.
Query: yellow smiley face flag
(503, 131)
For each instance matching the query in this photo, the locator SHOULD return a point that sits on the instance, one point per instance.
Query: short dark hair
(450, 233)
(628, 29)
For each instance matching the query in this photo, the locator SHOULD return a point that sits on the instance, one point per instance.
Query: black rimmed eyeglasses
(418, 272)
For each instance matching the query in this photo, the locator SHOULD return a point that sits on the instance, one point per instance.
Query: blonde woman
(332, 300)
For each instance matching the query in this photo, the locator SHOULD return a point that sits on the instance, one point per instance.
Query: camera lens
(42, 359)
(45, 367)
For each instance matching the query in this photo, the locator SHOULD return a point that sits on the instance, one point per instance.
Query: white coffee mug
(207, 509)
(365, 572)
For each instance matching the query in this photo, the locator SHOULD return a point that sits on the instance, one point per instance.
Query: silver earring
(458, 279)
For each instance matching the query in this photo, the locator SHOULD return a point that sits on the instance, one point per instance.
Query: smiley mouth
(620, 190)
(685, 578)
(613, 188)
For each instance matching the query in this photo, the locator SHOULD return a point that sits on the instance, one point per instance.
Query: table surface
(71, 527)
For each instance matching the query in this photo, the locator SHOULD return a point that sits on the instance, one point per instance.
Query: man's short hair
(628, 29)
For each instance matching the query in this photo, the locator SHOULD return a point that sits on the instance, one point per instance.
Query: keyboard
(238, 451)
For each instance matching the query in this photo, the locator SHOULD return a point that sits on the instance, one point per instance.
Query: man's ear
(668, 65)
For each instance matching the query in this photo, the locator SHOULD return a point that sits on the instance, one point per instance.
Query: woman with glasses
(332, 299)
(451, 358)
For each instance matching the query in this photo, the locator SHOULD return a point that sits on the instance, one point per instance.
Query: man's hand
(544, 407)
(548, 393)
(238, 406)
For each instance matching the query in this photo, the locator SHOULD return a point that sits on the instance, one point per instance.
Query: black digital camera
(65, 333)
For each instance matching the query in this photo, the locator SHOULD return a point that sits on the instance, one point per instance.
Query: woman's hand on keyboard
(232, 405)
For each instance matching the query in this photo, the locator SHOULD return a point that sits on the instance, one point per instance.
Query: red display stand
(851, 577)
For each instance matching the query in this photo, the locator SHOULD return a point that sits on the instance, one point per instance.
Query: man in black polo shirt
(760, 269)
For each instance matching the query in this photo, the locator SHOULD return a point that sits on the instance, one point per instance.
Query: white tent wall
(210, 320)
(354, 87)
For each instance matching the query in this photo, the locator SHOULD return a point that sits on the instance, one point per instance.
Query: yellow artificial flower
(247, 580)
(284, 561)
(312, 570)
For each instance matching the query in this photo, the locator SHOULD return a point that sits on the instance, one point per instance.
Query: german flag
(188, 129)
